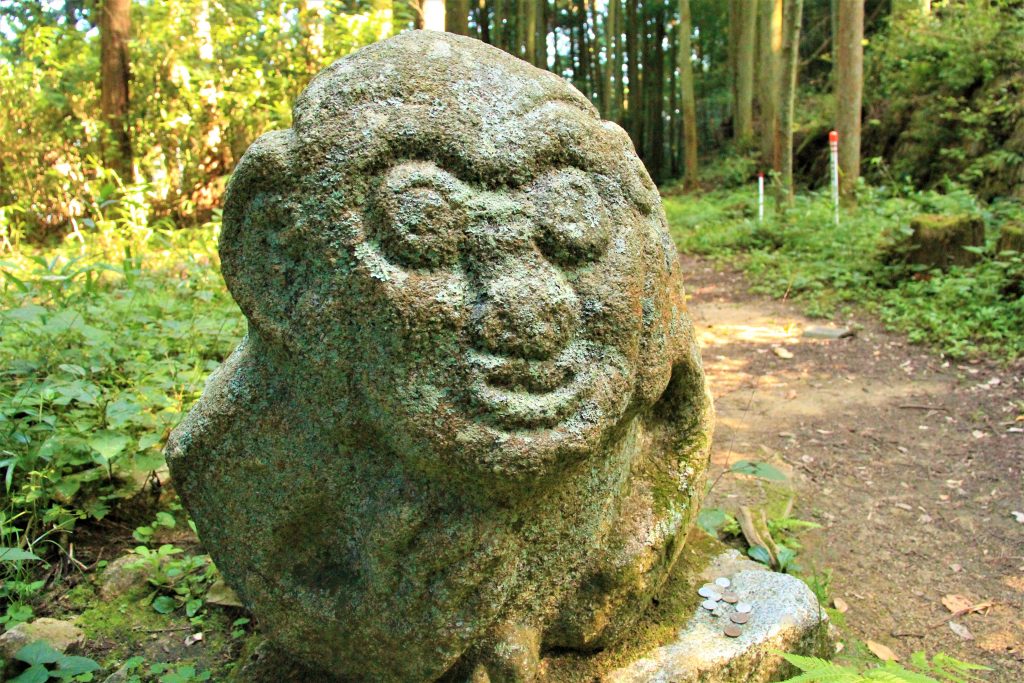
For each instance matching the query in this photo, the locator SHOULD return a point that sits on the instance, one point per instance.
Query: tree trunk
(734, 10)
(634, 119)
(770, 48)
(613, 63)
(689, 100)
(790, 63)
(673, 137)
(747, 36)
(483, 21)
(456, 16)
(849, 88)
(115, 30)
(596, 72)
(541, 34)
(654, 95)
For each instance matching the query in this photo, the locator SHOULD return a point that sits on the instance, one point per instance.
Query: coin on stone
(730, 598)
(732, 630)
(706, 591)
(740, 617)
(723, 582)
(710, 605)
(743, 608)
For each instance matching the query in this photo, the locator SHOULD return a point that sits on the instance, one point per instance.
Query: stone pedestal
(678, 641)
(681, 642)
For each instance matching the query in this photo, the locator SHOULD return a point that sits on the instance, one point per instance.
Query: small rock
(62, 636)
(121, 576)
(119, 676)
(822, 332)
(221, 594)
(782, 352)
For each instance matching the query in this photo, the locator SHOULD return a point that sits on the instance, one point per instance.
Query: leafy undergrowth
(939, 669)
(964, 311)
(104, 345)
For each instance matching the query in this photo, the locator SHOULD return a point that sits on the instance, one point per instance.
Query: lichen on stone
(469, 421)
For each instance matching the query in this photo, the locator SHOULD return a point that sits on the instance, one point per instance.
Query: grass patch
(965, 311)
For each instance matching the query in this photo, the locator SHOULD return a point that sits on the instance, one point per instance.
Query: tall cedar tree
(849, 89)
(115, 30)
(792, 17)
(456, 16)
(769, 57)
(746, 35)
(689, 98)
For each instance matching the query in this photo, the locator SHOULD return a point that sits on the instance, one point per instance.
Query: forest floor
(911, 464)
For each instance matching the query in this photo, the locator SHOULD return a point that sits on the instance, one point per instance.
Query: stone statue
(469, 421)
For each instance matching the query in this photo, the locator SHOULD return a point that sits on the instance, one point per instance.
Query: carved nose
(527, 309)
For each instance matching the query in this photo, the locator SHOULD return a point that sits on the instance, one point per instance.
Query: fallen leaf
(782, 352)
(840, 605)
(881, 651)
(961, 630)
(1015, 582)
(957, 603)
(1000, 641)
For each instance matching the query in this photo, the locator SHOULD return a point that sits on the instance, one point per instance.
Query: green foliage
(137, 671)
(178, 579)
(207, 79)
(803, 256)
(45, 663)
(759, 469)
(941, 669)
(946, 98)
(104, 346)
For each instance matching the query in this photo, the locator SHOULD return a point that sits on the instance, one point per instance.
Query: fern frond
(905, 675)
(897, 675)
(833, 675)
(807, 663)
(817, 670)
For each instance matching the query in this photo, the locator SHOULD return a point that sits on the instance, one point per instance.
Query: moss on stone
(668, 613)
(1011, 237)
(938, 241)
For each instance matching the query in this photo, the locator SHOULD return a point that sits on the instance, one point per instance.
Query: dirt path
(911, 464)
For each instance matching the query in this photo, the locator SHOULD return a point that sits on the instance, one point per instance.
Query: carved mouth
(530, 394)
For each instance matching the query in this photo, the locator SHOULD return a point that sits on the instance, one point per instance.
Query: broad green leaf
(760, 554)
(16, 555)
(34, 674)
(712, 520)
(38, 652)
(73, 666)
(759, 469)
(108, 444)
(164, 604)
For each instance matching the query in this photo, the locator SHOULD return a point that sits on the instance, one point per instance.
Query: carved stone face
(514, 315)
(484, 262)
(470, 403)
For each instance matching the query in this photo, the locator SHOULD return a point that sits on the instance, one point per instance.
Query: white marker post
(760, 197)
(833, 145)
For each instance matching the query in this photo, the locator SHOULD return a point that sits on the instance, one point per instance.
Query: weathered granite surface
(469, 420)
(786, 618)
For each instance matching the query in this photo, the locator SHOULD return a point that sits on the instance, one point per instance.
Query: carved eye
(417, 224)
(573, 224)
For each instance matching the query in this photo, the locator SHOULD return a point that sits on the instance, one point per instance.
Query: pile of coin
(718, 595)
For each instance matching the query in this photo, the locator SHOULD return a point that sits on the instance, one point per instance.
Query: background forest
(123, 119)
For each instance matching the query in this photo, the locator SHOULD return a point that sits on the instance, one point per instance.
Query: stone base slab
(678, 642)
